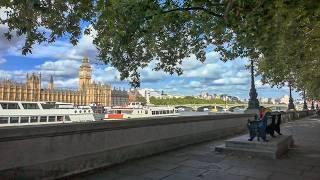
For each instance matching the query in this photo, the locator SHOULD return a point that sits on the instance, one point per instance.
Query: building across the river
(119, 97)
(88, 92)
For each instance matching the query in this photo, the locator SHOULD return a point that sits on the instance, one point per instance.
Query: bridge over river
(230, 107)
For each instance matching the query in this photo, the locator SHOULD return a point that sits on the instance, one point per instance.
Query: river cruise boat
(14, 113)
(136, 110)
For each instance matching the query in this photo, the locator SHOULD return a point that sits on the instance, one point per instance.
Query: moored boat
(136, 110)
(13, 113)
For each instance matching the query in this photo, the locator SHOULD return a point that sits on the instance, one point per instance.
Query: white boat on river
(136, 110)
(14, 113)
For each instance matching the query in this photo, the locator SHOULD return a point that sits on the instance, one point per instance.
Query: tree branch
(194, 9)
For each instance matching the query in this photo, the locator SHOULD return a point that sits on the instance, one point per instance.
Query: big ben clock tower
(85, 74)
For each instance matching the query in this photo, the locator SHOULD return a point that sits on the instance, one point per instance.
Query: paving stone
(282, 169)
(289, 163)
(102, 176)
(215, 175)
(249, 172)
(157, 174)
(283, 176)
(251, 178)
(171, 159)
(195, 164)
(219, 166)
(179, 176)
(311, 174)
(190, 171)
(134, 170)
(245, 163)
(132, 178)
(196, 151)
(315, 169)
(146, 161)
(209, 157)
(163, 165)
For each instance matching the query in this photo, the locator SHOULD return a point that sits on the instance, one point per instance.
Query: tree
(132, 33)
(42, 21)
(142, 100)
(291, 51)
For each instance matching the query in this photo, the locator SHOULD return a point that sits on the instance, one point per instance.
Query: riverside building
(88, 91)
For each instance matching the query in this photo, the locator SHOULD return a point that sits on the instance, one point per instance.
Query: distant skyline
(62, 60)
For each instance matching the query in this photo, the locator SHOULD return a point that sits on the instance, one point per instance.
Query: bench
(269, 124)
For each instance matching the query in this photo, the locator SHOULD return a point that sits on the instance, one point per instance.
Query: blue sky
(62, 60)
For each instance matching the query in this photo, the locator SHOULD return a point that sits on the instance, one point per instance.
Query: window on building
(43, 118)
(14, 120)
(59, 118)
(4, 120)
(33, 119)
(9, 105)
(52, 119)
(48, 106)
(30, 106)
(67, 118)
(24, 120)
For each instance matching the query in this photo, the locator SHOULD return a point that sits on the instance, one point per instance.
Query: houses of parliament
(88, 91)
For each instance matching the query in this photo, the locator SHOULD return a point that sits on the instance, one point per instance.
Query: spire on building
(50, 85)
(85, 59)
(51, 79)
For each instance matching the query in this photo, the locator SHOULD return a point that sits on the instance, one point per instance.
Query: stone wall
(59, 150)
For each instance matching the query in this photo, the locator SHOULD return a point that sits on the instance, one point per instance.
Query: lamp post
(253, 104)
(290, 105)
(305, 107)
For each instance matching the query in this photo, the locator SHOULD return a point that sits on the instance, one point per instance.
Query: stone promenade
(200, 162)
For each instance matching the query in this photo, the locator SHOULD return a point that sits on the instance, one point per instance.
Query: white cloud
(2, 60)
(3, 14)
(149, 75)
(63, 49)
(106, 74)
(16, 75)
(67, 83)
(260, 85)
(231, 81)
(6, 46)
(195, 84)
(60, 69)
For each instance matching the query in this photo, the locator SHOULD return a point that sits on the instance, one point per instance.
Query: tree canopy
(281, 36)
(186, 100)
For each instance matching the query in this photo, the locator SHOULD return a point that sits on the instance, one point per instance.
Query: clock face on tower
(84, 74)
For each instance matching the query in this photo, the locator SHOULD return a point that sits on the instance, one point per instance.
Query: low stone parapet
(58, 150)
